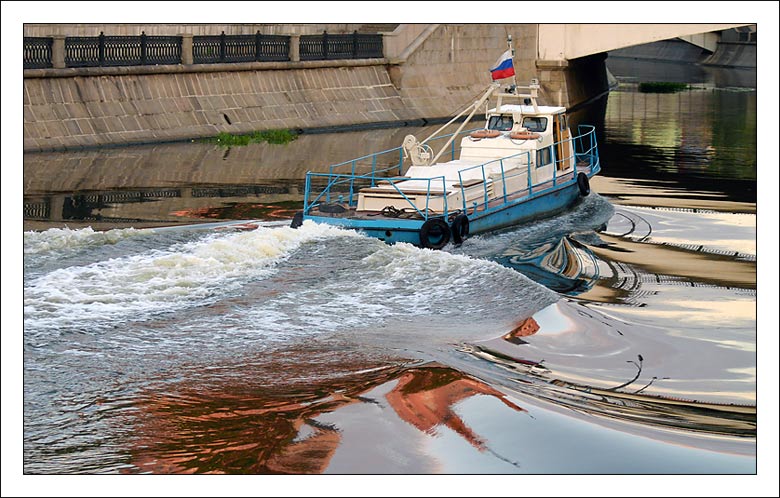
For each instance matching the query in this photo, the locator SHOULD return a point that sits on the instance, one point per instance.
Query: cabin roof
(527, 109)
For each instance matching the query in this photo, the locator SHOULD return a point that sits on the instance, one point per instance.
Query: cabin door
(562, 137)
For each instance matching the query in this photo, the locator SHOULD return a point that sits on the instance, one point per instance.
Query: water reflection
(611, 363)
(181, 183)
(633, 404)
(702, 141)
(696, 74)
(230, 431)
(142, 208)
(565, 266)
(398, 419)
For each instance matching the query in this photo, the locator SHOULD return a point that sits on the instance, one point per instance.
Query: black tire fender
(460, 228)
(297, 220)
(434, 233)
(583, 184)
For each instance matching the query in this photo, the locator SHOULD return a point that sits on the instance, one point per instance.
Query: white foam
(55, 239)
(183, 276)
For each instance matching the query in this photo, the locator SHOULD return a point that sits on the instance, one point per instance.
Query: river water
(619, 337)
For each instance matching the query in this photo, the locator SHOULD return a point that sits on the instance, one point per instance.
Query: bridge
(422, 72)
(568, 59)
(572, 41)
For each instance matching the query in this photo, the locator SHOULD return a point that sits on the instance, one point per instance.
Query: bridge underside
(572, 41)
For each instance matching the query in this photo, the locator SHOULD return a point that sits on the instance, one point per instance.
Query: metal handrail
(374, 155)
(484, 177)
(583, 146)
(337, 179)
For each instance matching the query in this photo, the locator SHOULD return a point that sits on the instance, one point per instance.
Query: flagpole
(512, 55)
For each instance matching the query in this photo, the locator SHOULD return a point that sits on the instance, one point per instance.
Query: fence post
(222, 47)
(295, 48)
(186, 48)
(143, 48)
(58, 51)
(325, 45)
(355, 44)
(389, 41)
(101, 49)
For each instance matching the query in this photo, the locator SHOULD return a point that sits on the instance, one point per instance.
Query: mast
(475, 106)
(512, 54)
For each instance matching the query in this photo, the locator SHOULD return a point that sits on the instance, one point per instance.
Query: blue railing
(586, 148)
(347, 178)
(518, 158)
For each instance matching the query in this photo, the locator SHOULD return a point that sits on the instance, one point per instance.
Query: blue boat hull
(536, 206)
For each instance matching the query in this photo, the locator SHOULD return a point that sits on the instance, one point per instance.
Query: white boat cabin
(518, 139)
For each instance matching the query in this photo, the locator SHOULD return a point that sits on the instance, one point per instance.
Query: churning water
(617, 337)
(120, 324)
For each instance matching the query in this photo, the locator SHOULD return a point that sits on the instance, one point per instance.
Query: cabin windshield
(500, 123)
(535, 124)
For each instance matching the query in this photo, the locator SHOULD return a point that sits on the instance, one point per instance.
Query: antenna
(512, 53)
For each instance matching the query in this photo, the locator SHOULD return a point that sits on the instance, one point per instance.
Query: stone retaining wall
(448, 69)
(83, 111)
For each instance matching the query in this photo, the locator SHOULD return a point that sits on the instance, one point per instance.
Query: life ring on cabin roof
(484, 134)
(523, 135)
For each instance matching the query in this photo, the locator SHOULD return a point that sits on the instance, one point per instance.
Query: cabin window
(543, 157)
(500, 123)
(535, 124)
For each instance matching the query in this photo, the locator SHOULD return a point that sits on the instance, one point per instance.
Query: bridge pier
(552, 77)
(576, 82)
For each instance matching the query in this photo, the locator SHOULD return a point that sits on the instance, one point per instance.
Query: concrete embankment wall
(734, 54)
(442, 68)
(115, 109)
(728, 53)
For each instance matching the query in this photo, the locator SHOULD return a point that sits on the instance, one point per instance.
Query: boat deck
(351, 212)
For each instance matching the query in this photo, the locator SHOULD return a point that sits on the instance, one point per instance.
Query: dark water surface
(617, 338)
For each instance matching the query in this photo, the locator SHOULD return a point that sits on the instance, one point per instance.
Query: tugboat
(524, 164)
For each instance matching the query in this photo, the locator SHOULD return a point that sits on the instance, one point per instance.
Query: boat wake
(59, 239)
(243, 308)
(157, 279)
(275, 281)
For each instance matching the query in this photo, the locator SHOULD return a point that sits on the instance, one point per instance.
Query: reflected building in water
(224, 433)
(183, 183)
(232, 431)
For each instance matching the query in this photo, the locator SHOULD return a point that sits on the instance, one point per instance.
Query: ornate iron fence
(272, 47)
(83, 51)
(240, 48)
(37, 210)
(161, 49)
(350, 46)
(102, 50)
(37, 52)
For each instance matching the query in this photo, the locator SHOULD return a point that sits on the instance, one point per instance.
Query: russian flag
(504, 67)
